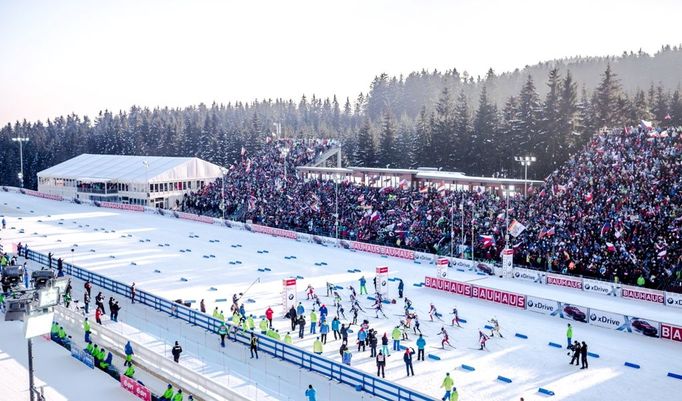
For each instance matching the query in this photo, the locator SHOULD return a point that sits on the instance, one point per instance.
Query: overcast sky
(81, 56)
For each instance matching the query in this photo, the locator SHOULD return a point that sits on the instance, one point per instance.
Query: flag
(252, 202)
(403, 183)
(610, 247)
(361, 198)
(441, 187)
(375, 216)
(662, 253)
(646, 125)
(248, 165)
(667, 117)
(605, 228)
(500, 216)
(487, 240)
(542, 233)
(423, 190)
(243, 152)
(588, 197)
(550, 232)
(515, 228)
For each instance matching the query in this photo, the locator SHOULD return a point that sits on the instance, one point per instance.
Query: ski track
(529, 363)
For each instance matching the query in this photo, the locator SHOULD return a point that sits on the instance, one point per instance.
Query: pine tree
(660, 106)
(461, 132)
(568, 118)
(550, 124)
(442, 130)
(387, 143)
(529, 120)
(607, 95)
(482, 159)
(366, 155)
(676, 109)
(422, 140)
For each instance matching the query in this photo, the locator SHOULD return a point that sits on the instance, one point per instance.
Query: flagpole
(452, 224)
(461, 211)
(473, 209)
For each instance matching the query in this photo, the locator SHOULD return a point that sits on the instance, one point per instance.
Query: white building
(139, 180)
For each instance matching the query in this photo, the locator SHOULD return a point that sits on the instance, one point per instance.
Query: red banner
(671, 332)
(277, 232)
(43, 195)
(122, 206)
(382, 250)
(499, 297)
(135, 388)
(194, 217)
(443, 284)
(564, 281)
(643, 294)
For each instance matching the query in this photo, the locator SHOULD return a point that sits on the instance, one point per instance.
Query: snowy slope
(142, 239)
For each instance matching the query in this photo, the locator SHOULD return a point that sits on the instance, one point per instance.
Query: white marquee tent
(145, 180)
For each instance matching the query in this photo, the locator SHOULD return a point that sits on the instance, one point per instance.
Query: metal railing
(380, 388)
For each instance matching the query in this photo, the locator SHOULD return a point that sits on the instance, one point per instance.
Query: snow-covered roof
(89, 167)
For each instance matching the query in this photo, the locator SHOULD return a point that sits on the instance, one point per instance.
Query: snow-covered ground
(154, 243)
(60, 376)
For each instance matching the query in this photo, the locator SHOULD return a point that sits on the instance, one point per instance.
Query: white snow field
(529, 363)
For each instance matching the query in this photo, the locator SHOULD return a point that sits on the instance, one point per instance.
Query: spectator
(176, 351)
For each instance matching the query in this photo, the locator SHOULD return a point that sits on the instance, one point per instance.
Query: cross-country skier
(434, 312)
(408, 305)
(496, 327)
(378, 308)
(309, 291)
(416, 324)
(445, 339)
(482, 338)
(455, 320)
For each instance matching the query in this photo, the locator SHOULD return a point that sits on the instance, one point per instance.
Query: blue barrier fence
(344, 374)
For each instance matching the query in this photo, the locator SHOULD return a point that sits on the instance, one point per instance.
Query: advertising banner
(608, 320)
(673, 299)
(442, 267)
(324, 241)
(455, 287)
(507, 261)
(378, 249)
(535, 276)
(643, 294)
(542, 305)
(564, 281)
(82, 356)
(277, 232)
(601, 287)
(671, 332)
(194, 217)
(382, 281)
(288, 294)
(572, 312)
(43, 195)
(644, 327)
(133, 387)
(121, 206)
(499, 297)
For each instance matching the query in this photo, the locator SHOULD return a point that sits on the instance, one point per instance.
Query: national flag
(441, 187)
(605, 228)
(248, 165)
(667, 117)
(542, 233)
(487, 240)
(423, 190)
(588, 197)
(375, 216)
(515, 228)
(243, 152)
(252, 202)
(500, 216)
(403, 183)
(361, 198)
(610, 247)
(550, 232)
(662, 253)
(646, 125)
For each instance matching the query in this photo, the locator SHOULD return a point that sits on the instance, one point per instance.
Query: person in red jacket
(268, 315)
(98, 315)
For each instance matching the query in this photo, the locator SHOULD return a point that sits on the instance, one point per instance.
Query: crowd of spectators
(611, 212)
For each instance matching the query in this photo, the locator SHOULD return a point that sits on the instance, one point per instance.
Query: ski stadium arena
(227, 239)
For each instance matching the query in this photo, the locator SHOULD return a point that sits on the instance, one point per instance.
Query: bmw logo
(291, 297)
(531, 303)
(383, 283)
(670, 300)
(587, 286)
(443, 274)
(593, 317)
(517, 274)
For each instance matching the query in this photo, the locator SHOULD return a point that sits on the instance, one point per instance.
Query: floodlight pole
(146, 182)
(223, 170)
(31, 388)
(525, 161)
(21, 141)
(336, 186)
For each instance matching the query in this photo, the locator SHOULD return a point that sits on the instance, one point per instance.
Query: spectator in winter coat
(396, 335)
(317, 346)
(335, 327)
(381, 365)
(292, 315)
(222, 332)
(98, 315)
(344, 334)
(176, 351)
(300, 310)
(86, 302)
(313, 322)
(583, 355)
(362, 338)
(576, 354)
(384, 345)
(311, 393)
(421, 344)
(569, 336)
(253, 345)
(372, 343)
(301, 326)
(401, 287)
(407, 358)
(168, 394)
(447, 384)
(324, 330)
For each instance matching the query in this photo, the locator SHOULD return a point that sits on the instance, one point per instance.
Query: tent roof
(121, 168)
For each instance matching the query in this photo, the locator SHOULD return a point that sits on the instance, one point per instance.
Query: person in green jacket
(130, 371)
(89, 348)
(216, 313)
(396, 335)
(287, 339)
(313, 322)
(251, 323)
(448, 384)
(263, 325)
(569, 336)
(54, 331)
(178, 395)
(641, 281)
(168, 394)
(317, 346)
(86, 325)
(235, 319)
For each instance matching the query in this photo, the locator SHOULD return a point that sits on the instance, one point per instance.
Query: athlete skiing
(496, 327)
(434, 312)
(445, 339)
(482, 338)
(455, 319)
(378, 308)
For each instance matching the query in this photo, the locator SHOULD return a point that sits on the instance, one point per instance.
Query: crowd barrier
(564, 310)
(380, 388)
(190, 381)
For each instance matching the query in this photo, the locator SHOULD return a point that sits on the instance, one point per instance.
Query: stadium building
(138, 180)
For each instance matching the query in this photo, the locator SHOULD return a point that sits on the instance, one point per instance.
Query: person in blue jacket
(311, 393)
(363, 285)
(401, 287)
(421, 344)
(323, 312)
(300, 310)
(362, 339)
(324, 330)
(336, 325)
